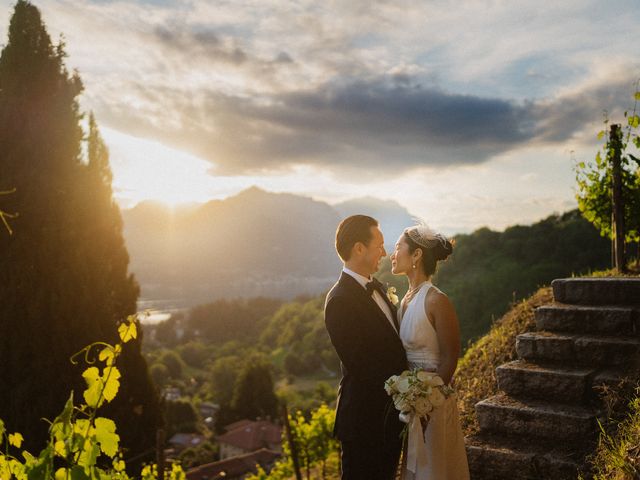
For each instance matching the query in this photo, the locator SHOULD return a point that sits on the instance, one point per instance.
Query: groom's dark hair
(353, 229)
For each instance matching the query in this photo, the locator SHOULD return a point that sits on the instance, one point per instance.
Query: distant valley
(253, 244)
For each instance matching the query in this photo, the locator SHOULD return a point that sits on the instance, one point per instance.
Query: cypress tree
(64, 280)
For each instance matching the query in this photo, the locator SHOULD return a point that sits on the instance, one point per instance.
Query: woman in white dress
(431, 336)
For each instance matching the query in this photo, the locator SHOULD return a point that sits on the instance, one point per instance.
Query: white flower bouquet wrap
(416, 394)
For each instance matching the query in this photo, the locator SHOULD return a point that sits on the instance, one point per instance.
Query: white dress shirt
(377, 296)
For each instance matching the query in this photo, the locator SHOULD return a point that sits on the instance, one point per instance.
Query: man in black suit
(362, 324)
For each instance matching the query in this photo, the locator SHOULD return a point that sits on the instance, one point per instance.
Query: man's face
(374, 251)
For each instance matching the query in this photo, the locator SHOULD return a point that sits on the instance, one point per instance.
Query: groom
(362, 324)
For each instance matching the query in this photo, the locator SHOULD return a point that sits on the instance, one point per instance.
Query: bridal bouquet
(416, 394)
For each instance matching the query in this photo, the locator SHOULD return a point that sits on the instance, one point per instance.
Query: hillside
(253, 244)
(489, 270)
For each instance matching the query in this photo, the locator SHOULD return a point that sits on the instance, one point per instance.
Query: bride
(431, 336)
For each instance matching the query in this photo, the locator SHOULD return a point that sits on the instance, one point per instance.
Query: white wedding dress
(444, 457)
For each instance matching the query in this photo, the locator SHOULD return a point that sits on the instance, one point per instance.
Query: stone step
(597, 291)
(502, 414)
(563, 384)
(576, 349)
(588, 319)
(500, 458)
(521, 379)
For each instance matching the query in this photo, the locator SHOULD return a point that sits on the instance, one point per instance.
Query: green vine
(82, 445)
(595, 179)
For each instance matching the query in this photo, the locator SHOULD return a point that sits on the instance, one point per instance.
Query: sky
(468, 113)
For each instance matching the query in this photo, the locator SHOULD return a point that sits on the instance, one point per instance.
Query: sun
(147, 170)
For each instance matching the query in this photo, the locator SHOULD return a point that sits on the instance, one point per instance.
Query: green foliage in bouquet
(82, 445)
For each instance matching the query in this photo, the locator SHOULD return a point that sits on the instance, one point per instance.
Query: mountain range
(255, 243)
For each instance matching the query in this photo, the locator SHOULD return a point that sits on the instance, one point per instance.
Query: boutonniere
(391, 295)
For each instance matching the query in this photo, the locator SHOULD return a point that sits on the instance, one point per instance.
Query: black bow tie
(374, 285)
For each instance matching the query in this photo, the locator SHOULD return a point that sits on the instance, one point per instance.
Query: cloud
(379, 124)
(347, 85)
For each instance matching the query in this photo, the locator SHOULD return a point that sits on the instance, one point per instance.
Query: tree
(160, 374)
(173, 362)
(194, 353)
(63, 274)
(253, 394)
(223, 375)
(204, 453)
(180, 417)
(595, 180)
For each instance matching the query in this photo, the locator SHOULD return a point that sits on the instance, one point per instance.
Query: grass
(617, 456)
(476, 373)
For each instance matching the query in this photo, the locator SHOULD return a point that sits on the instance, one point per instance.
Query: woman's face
(401, 259)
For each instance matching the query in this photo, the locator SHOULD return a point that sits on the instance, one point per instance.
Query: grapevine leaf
(106, 435)
(637, 96)
(89, 456)
(112, 384)
(60, 426)
(601, 134)
(94, 387)
(41, 466)
(1, 428)
(15, 439)
(17, 469)
(634, 121)
(81, 426)
(118, 465)
(127, 331)
(78, 473)
(107, 355)
(61, 474)
(60, 449)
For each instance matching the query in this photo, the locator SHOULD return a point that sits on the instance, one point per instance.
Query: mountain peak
(253, 191)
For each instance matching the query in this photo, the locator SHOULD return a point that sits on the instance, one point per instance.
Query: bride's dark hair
(430, 256)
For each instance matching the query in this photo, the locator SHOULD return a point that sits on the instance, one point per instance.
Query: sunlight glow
(147, 170)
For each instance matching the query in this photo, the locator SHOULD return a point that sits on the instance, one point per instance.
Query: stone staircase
(544, 420)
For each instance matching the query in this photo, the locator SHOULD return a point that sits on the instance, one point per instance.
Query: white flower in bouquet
(423, 406)
(417, 393)
(403, 385)
(390, 385)
(431, 379)
(401, 404)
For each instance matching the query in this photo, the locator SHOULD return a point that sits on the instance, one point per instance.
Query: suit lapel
(361, 294)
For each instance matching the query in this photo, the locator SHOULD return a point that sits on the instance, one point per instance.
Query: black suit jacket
(370, 351)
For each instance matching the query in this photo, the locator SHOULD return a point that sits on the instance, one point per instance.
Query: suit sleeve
(348, 335)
